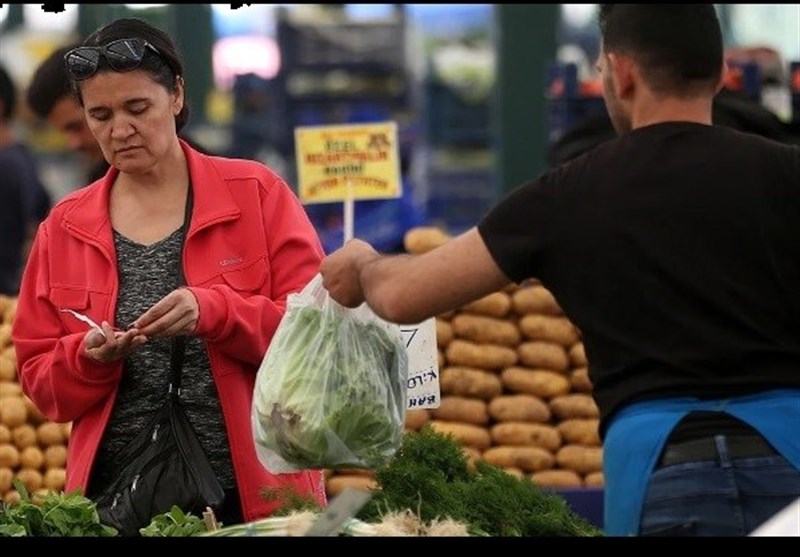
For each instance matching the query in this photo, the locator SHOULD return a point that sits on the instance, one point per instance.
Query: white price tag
(423, 365)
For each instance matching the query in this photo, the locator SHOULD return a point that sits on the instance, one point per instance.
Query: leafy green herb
(430, 476)
(174, 523)
(59, 514)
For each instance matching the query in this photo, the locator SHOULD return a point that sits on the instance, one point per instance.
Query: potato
(543, 355)
(5, 434)
(519, 408)
(35, 417)
(580, 431)
(535, 299)
(470, 382)
(8, 370)
(484, 356)
(9, 456)
(354, 472)
(440, 359)
(548, 328)
(13, 412)
(12, 497)
(557, 478)
(5, 335)
(464, 434)
(516, 472)
(6, 480)
(415, 419)
(496, 304)
(580, 459)
(55, 479)
(444, 333)
(579, 380)
(31, 479)
(50, 433)
(9, 354)
(461, 409)
(574, 406)
(66, 429)
(10, 389)
(577, 355)
(5, 302)
(31, 457)
(473, 455)
(24, 436)
(529, 459)
(55, 456)
(594, 479)
(482, 329)
(423, 239)
(338, 483)
(542, 383)
(526, 434)
(11, 311)
(448, 315)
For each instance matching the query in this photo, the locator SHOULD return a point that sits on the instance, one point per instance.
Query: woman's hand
(174, 314)
(110, 345)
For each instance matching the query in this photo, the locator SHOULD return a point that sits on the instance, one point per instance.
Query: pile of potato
(515, 387)
(31, 448)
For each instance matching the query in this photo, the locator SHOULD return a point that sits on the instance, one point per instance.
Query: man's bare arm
(412, 288)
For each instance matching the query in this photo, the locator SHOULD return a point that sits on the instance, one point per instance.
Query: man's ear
(721, 84)
(623, 74)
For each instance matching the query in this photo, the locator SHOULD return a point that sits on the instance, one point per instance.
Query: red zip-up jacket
(249, 245)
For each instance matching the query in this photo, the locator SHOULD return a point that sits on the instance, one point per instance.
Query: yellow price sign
(341, 162)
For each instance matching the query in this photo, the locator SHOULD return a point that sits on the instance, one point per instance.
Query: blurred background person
(50, 98)
(24, 202)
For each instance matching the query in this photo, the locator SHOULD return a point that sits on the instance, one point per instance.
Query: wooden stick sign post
(347, 163)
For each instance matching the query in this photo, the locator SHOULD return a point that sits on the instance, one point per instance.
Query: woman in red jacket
(113, 252)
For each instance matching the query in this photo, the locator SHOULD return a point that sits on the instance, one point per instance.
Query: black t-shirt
(675, 249)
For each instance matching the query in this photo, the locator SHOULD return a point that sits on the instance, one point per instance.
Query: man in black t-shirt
(675, 249)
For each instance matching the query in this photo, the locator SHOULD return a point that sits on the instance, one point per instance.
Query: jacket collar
(212, 201)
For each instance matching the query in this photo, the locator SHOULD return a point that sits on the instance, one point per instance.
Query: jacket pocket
(79, 301)
(250, 278)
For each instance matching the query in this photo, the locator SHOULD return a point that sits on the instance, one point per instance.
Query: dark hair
(678, 47)
(8, 95)
(50, 83)
(164, 68)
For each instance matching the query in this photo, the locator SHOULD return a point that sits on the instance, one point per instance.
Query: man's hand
(174, 314)
(340, 272)
(115, 345)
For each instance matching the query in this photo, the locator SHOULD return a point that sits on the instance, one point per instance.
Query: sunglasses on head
(123, 55)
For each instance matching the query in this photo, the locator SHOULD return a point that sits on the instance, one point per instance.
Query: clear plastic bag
(331, 391)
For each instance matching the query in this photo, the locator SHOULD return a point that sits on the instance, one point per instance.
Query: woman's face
(132, 117)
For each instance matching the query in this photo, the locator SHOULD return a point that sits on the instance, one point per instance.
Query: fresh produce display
(32, 449)
(430, 489)
(515, 387)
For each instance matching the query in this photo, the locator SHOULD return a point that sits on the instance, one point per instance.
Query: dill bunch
(430, 476)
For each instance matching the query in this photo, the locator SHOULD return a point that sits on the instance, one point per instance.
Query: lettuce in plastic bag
(331, 391)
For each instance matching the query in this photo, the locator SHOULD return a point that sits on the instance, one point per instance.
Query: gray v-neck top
(147, 274)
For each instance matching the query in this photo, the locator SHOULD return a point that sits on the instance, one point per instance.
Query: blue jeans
(718, 498)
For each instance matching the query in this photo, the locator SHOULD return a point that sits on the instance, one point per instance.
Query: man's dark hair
(8, 95)
(49, 84)
(678, 47)
(164, 68)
